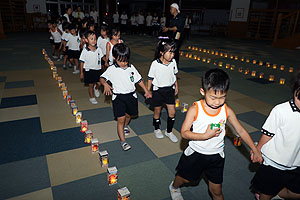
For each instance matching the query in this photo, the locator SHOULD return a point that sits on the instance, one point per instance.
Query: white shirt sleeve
(272, 123)
(106, 74)
(151, 72)
(137, 76)
(82, 57)
(175, 67)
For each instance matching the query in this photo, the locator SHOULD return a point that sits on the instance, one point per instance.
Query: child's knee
(216, 189)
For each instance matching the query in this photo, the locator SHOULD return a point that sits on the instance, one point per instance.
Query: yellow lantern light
(291, 69)
(123, 194)
(68, 99)
(193, 48)
(261, 63)
(95, 145)
(282, 81)
(220, 64)
(196, 48)
(53, 74)
(282, 67)
(83, 126)
(203, 59)
(43, 51)
(247, 60)
(187, 55)
(268, 64)
(88, 136)
(184, 107)
(242, 59)
(78, 117)
(221, 54)
(225, 55)
(112, 175)
(236, 58)
(254, 62)
(227, 66)
(261, 75)
(271, 78)
(216, 53)
(215, 63)
(231, 57)
(212, 52)
(103, 156)
(232, 67)
(74, 109)
(181, 53)
(200, 49)
(204, 50)
(56, 76)
(59, 83)
(207, 51)
(191, 55)
(274, 66)
(189, 47)
(246, 72)
(240, 69)
(208, 60)
(199, 58)
(195, 57)
(65, 94)
(253, 73)
(177, 103)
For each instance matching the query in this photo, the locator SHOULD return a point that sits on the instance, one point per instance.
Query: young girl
(63, 45)
(114, 39)
(102, 41)
(162, 75)
(56, 35)
(73, 41)
(90, 65)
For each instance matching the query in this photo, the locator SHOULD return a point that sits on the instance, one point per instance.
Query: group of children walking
(106, 61)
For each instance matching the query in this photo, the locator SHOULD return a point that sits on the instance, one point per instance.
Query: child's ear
(86, 40)
(202, 92)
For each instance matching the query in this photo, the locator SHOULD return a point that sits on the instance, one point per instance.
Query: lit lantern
(53, 74)
(220, 64)
(181, 53)
(59, 78)
(195, 57)
(43, 51)
(236, 58)
(184, 107)
(95, 145)
(204, 59)
(65, 94)
(204, 50)
(274, 66)
(191, 55)
(112, 175)
(54, 69)
(193, 48)
(240, 69)
(200, 49)
(281, 67)
(231, 57)
(83, 126)
(208, 60)
(103, 156)
(123, 194)
(59, 83)
(72, 103)
(215, 63)
(227, 66)
(282, 81)
(268, 64)
(254, 62)
(177, 103)
(187, 55)
(221, 54)
(232, 67)
(189, 47)
(56, 76)
(212, 52)
(216, 53)
(291, 69)
(63, 87)
(261, 63)
(246, 72)
(271, 78)
(196, 48)
(253, 73)
(51, 66)
(207, 51)
(261, 75)
(237, 141)
(78, 117)
(199, 58)
(242, 59)
(68, 99)
(88, 136)
(74, 110)
(225, 55)
(247, 60)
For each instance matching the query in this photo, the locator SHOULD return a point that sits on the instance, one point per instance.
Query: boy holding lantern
(205, 153)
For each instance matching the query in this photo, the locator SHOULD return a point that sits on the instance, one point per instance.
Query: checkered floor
(43, 155)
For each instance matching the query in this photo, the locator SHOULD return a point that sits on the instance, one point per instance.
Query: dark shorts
(57, 45)
(92, 76)
(51, 41)
(73, 54)
(125, 103)
(165, 95)
(193, 166)
(269, 180)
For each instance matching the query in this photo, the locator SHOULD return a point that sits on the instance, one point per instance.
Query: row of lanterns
(112, 172)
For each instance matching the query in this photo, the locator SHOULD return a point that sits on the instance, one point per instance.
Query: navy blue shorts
(165, 95)
(125, 104)
(92, 76)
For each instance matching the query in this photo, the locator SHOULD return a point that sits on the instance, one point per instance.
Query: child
(63, 45)
(280, 145)
(56, 35)
(90, 65)
(74, 40)
(103, 39)
(123, 77)
(205, 153)
(162, 75)
(114, 39)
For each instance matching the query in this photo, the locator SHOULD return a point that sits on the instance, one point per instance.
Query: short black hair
(114, 31)
(163, 46)
(216, 79)
(104, 27)
(296, 85)
(65, 26)
(121, 52)
(88, 33)
(72, 26)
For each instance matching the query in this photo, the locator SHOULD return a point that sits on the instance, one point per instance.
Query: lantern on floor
(74, 109)
(253, 73)
(72, 103)
(88, 136)
(196, 48)
(191, 55)
(231, 57)
(215, 63)
(103, 156)
(220, 64)
(242, 59)
(237, 141)
(240, 69)
(54, 74)
(65, 94)
(221, 53)
(193, 48)
(95, 145)
(291, 69)
(199, 58)
(63, 88)
(177, 103)
(189, 47)
(281, 67)
(181, 53)
(208, 51)
(274, 66)
(271, 78)
(232, 67)
(43, 51)
(59, 78)
(184, 107)
(268, 64)
(83, 126)
(254, 62)
(54, 69)
(208, 60)
(62, 85)
(200, 49)
(203, 59)
(112, 175)
(216, 53)
(68, 99)
(225, 55)
(261, 75)
(282, 81)
(123, 194)
(204, 50)
(261, 63)
(227, 66)
(78, 117)
(212, 52)
(236, 58)
(247, 60)
(195, 57)
(59, 83)
(246, 71)
(187, 55)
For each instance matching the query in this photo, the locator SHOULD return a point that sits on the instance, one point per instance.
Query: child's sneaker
(93, 100)
(175, 193)
(158, 134)
(96, 92)
(76, 71)
(55, 57)
(277, 197)
(126, 146)
(64, 67)
(171, 135)
(126, 131)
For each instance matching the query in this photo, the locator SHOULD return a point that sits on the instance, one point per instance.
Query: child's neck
(210, 110)
(92, 47)
(104, 36)
(164, 61)
(113, 41)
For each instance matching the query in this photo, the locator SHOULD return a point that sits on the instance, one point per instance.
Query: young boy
(90, 65)
(56, 35)
(205, 153)
(123, 77)
(280, 147)
(74, 41)
(63, 45)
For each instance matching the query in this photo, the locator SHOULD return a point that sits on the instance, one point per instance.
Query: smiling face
(91, 40)
(213, 99)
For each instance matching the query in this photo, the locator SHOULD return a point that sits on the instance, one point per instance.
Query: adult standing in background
(78, 14)
(124, 19)
(68, 14)
(187, 26)
(176, 28)
(141, 23)
(116, 19)
(95, 15)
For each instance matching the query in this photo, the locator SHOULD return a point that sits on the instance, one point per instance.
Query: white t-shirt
(116, 18)
(95, 15)
(282, 126)
(213, 145)
(56, 36)
(73, 42)
(149, 20)
(163, 21)
(155, 20)
(64, 36)
(162, 75)
(101, 43)
(133, 21)
(124, 19)
(91, 59)
(123, 80)
(67, 16)
(187, 23)
(140, 19)
(78, 15)
(110, 56)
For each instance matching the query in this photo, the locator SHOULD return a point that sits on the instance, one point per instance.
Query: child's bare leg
(76, 63)
(265, 197)
(98, 84)
(171, 110)
(157, 111)
(57, 52)
(179, 181)
(120, 128)
(288, 194)
(127, 119)
(91, 90)
(65, 59)
(72, 61)
(216, 191)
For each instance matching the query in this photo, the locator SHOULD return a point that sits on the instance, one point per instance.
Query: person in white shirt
(95, 15)
(124, 19)
(102, 41)
(141, 23)
(149, 19)
(155, 25)
(163, 20)
(56, 34)
(78, 14)
(63, 45)
(279, 175)
(116, 18)
(68, 14)
(114, 39)
(74, 42)
(90, 65)
(123, 77)
(187, 26)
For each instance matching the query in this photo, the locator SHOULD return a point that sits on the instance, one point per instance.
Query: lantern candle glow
(177, 103)
(74, 110)
(195, 57)
(220, 64)
(247, 60)
(291, 69)
(88, 136)
(261, 75)
(68, 99)
(268, 64)
(191, 55)
(204, 50)
(204, 59)
(65, 94)
(123, 194)
(216, 53)
(103, 156)
(261, 63)
(232, 67)
(236, 58)
(83, 126)
(271, 78)
(282, 81)
(274, 66)
(95, 145)
(246, 71)
(253, 73)
(199, 58)
(112, 175)
(227, 66)
(78, 117)
(242, 59)
(254, 62)
(240, 69)
(281, 67)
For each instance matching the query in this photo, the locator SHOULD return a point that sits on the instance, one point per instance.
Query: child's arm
(176, 86)
(107, 88)
(149, 84)
(107, 54)
(147, 93)
(256, 157)
(263, 140)
(81, 70)
(186, 132)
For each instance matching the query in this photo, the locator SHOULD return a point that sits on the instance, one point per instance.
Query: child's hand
(148, 94)
(256, 156)
(81, 76)
(212, 132)
(107, 89)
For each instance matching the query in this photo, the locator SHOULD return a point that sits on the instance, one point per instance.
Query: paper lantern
(274, 66)
(247, 60)
(207, 51)
(43, 51)
(184, 107)
(68, 99)
(88, 136)
(196, 48)
(268, 64)
(282, 81)
(208, 60)
(282, 67)
(254, 62)
(271, 78)
(221, 54)
(231, 57)
(59, 83)
(240, 69)
(199, 58)
(236, 58)
(204, 50)
(189, 47)
(95, 145)
(103, 156)
(83, 126)
(212, 52)
(54, 74)
(232, 67)
(191, 55)
(242, 59)
(193, 48)
(261, 63)
(291, 69)
(225, 55)
(65, 94)
(204, 59)
(237, 141)
(187, 55)
(216, 53)
(181, 53)
(253, 73)
(78, 117)
(215, 63)
(123, 194)
(74, 109)
(177, 103)
(220, 64)
(195, 57)
(261, 75)
(200, 49)
(112, 175)
(246, 71)
(227, 66)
